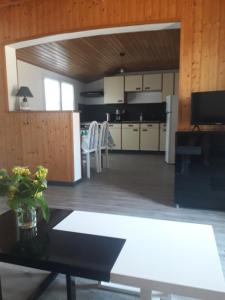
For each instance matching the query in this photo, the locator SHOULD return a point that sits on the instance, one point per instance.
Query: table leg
(42, 287)
(71, 288)
(146, 294)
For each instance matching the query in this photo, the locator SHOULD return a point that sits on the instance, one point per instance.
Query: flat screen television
(208, 108)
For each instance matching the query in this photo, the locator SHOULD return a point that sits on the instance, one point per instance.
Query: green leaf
(14, 203)
(4, 173)
(22, 189)
(3, 189)
(44, 208)
(29, 202)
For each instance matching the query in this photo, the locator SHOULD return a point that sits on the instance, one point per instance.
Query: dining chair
(91, 147)
(103, 144)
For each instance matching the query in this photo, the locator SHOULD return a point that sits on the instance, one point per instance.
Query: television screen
(208, 108)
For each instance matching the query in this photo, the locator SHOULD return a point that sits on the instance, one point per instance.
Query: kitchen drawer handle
(144, 129)
(135, 129)
(120, 101)
(149, 125)
(130, 125)
(138, 88)
(147, 88)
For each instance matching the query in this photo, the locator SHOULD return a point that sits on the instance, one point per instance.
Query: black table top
(76, 254)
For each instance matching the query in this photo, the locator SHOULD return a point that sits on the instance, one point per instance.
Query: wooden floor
(136, 185)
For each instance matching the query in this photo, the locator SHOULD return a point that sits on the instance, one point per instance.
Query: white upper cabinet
(133, 83)
(168, 85)
(152, 82)
(114, 89)
(158, 86)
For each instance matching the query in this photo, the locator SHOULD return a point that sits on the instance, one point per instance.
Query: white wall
(11, 71)
(33, 77)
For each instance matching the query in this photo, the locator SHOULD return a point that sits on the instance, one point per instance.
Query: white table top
(167, 256)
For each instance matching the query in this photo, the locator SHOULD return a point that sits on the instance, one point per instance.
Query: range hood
(92, 94)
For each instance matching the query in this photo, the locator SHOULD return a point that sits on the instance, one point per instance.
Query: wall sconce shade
(24, 91)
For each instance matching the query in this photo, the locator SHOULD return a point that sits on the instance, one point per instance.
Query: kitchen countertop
(121, 122)
(140, 122)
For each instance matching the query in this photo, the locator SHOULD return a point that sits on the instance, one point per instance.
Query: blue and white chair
(103, 145)
(91, 147)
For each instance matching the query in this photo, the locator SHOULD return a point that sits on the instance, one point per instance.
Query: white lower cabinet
(116, 133)
(149, 137)
(162, 137)
(135, 136)
(130, 136)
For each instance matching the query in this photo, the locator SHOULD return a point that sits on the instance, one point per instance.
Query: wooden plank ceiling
(91, 58)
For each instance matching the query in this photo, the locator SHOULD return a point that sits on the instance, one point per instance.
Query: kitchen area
(135, 107)
(124, 79)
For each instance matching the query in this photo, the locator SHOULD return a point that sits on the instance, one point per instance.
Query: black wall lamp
(24, 92)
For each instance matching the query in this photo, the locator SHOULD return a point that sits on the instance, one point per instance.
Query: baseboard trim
(137, 152)
(64, 183)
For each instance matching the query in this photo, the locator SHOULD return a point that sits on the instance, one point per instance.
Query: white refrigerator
(171, 128)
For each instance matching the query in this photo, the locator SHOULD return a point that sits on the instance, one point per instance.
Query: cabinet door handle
(144, 129)
(130, 125)
(135, 129)
(138, 88)
(147, 88)
(120, 101)
(149, 125)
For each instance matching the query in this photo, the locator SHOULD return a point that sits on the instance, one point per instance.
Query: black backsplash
(150, 111)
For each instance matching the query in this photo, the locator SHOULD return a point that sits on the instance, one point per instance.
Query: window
(52, 94)
(67, 91)
(58, 95)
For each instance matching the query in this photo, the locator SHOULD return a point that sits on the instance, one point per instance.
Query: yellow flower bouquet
(24, 192)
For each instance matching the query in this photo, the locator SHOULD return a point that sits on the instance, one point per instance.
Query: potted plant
(24, 193)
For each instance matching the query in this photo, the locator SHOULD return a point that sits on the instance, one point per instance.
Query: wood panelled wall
(202, 55)
(39, 138)
(4, 3)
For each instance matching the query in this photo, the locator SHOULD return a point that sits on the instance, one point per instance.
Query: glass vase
(26, 217)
